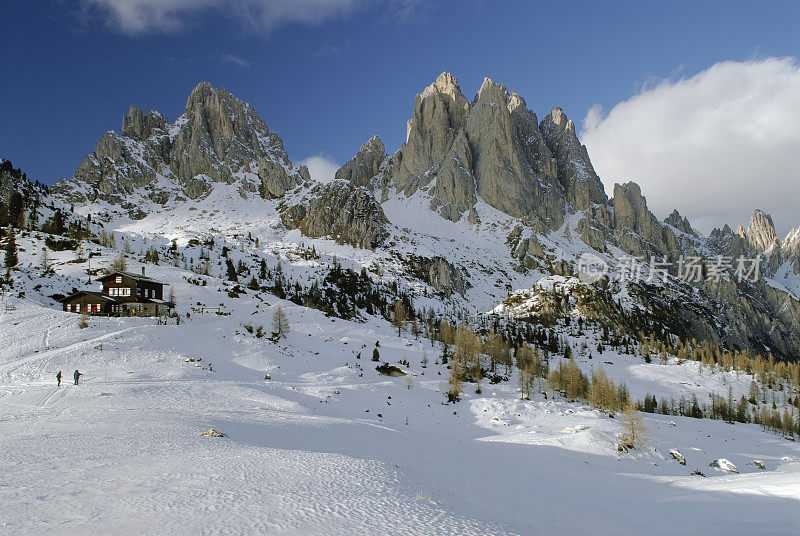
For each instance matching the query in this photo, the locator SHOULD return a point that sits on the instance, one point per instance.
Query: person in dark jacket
(77, 375)
(58, 377)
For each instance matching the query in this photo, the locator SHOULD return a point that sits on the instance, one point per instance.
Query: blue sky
(327, 74)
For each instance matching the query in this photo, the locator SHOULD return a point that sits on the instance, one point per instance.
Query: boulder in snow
(724, 464)
(390, 370)
(676, 455)
(759, 464)
(211, 432)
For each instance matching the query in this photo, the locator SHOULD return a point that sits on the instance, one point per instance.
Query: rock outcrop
(341, 211)
(439, 273)
(639, 232)
(365, 164)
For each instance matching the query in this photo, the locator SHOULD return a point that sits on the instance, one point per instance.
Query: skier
(77, 375)
(58, 377)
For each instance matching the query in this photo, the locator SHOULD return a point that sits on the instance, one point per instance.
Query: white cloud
(715, 146)
(321, 168)
(170, 16)
(232, 59)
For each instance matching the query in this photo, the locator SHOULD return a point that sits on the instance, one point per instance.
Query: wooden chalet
(123, 294)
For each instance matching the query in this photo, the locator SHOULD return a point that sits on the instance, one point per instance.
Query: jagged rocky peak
(218, 138)
(791, 249)
(575, 171)
(446, 88)
(760, 234)
(365, 164)
(639, 232)
(791, 244)
(495, 148)
(138, 126)
(680, 223)
(513, 168)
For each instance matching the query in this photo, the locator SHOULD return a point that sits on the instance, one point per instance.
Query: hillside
(329, 446)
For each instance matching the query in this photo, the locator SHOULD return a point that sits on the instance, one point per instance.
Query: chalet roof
(138, 277)
(88, 293)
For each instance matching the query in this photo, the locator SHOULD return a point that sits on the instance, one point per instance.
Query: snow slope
(329, 446)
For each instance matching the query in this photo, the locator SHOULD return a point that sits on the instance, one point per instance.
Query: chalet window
(118, 279)
(96, 307)
(126, 292)
(77, 307)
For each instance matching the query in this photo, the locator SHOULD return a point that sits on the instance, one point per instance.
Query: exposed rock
(791, 249)
(212, 432)
(638, 231)
(760, 234)
(575, 171)
(365, 164)
(348, 214)
(438, 273)
(724, 464)
(528, 250)
(677, 456)
(493, 148)
(275, 179)
(681, 224)
(436, 149)
(140, 127)
(514, 171)
(217, 136)
(389, 370)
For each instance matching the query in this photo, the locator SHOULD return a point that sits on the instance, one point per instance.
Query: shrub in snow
(724, 464)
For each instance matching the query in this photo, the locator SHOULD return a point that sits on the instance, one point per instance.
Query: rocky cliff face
(341, 211)
(680, 223)
(365, 164)
(439, 273)
(576, 174)
(760, 234)
(638, 231)
(217, 139)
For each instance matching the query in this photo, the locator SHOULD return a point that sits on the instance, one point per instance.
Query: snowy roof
(89, 293)
(132, 276)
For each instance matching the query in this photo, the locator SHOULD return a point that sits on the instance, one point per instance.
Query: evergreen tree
(231, 271)
(16, 209)
(11, 248)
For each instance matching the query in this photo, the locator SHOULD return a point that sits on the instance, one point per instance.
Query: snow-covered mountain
(482, 198)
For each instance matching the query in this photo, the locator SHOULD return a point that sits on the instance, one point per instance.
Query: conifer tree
(11, 249)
